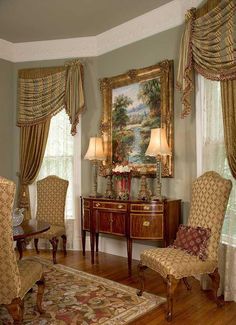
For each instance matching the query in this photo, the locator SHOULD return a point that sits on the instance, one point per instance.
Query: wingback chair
(16, 279)
(51, 199)
(210, 193)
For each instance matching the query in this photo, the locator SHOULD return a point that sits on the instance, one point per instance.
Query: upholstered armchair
(51, 199)
(16, 279)
(210, 193)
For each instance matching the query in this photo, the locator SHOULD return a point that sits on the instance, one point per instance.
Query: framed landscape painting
(133, 104)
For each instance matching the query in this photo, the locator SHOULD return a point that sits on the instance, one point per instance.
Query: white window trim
(199, 122)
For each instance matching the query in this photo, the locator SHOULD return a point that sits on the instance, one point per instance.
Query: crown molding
(158, 20)
(7, 50)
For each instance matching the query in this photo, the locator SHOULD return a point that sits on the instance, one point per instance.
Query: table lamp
(158, 147)
(95, 153)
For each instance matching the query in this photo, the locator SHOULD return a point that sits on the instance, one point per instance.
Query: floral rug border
(148, 301)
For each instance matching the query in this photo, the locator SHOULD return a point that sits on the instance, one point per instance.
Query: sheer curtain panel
(213, 157)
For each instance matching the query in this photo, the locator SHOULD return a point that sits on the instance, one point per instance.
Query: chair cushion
(193, 240)
(54, 231)
(30, 272)
(176, 262)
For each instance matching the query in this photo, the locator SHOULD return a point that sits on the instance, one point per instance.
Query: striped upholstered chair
(210, 195)
(16, 279)
(51, 199)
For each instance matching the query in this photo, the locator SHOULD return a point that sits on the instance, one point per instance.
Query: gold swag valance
(207, 46)
(43, 92)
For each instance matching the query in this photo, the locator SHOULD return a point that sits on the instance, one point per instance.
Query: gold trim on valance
(40, 98)
(208, 6)
(207, 46)
(35, 73)
(43, 92)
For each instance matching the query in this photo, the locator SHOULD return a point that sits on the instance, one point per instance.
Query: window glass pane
(214, 155)
(58, 158)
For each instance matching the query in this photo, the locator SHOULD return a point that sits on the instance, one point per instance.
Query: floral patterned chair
(51, 199)
(16, 279)
(210, 195)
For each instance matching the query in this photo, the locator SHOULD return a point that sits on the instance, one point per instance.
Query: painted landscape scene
(136, 109)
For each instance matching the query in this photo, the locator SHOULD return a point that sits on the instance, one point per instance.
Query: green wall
(6, 119)
(144, 53)
(137, 55)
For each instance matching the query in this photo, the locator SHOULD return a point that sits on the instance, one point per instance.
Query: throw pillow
(193, 240)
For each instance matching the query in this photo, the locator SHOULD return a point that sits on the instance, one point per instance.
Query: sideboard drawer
(86, 204)
(142, 207)
(148, 226)
(115, 206)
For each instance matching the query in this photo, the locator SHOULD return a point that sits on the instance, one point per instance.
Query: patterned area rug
(75, 297)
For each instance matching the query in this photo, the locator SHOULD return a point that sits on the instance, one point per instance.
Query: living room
(105, 44)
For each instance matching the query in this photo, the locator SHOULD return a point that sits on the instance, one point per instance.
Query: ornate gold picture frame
(133, 104)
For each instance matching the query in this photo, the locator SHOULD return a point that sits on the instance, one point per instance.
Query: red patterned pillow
(193, 240)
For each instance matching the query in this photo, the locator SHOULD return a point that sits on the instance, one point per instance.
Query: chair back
(210, 194)
(51, 199)
(9, 272)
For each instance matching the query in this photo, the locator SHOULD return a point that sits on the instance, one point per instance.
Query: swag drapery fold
(228, 99)
(42, 93)
(208, 46)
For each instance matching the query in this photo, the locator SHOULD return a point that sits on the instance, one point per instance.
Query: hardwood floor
(190, 307)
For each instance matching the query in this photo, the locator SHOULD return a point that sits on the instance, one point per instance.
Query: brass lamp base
(96, 195)
(158, 198)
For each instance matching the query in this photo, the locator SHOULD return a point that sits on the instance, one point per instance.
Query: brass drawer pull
(146, 207)
(120, 206)
(98, 204)
(146, 223)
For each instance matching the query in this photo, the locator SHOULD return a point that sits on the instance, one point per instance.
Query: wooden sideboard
(134, 220)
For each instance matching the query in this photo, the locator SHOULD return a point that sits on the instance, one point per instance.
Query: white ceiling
(28, 36)
(39, 20)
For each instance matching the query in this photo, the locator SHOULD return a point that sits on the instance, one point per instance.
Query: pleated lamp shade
(95, 149)
(158, 143)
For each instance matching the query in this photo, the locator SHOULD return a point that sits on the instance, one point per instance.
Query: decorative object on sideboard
(123, 181)
(95, 153)
(158, 147)
(17, 217)
(144, 193)
(110, 193)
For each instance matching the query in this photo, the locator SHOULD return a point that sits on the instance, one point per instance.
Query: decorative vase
(17, 217)
(123, 183)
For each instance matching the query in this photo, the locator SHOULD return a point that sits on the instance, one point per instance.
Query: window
(211, 148)
(59, 155)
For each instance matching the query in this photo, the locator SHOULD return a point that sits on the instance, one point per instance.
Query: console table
(154, 220)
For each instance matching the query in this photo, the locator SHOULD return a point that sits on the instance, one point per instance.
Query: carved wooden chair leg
(215, 277)
(16, 310)
(141, 278)
(36, 245)
(64, 238)
(54, 242)
(188, 286)
(171, 286)
(41, 287)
